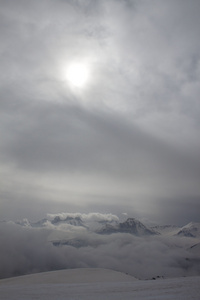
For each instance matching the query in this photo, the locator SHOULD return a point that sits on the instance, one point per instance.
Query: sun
(77, 74)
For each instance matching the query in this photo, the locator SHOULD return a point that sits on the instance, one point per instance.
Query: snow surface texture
(96, 284)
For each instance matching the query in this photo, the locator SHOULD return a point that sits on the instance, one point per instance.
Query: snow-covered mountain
(107, 226)
(56, 221)
(101, 240)
(167, 230)
(75, 221)
(27, 223)
(190, 230)
(131, 226)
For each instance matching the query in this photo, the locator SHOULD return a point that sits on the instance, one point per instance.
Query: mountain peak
(131, 225)
(190, 230)
(75, 221)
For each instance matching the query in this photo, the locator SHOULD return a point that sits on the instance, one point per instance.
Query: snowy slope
(81, 275)
(190, 230)
(167, 230)
(99, 284)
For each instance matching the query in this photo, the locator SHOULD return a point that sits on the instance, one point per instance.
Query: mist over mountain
(131, 226)
(75, 221)
(104, 226)
(97, 240)
(190, 230)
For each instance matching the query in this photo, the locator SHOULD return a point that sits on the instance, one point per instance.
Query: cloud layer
(130, 138)
(25, 249)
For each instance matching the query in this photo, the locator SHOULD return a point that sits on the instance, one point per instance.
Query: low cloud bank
(87, 217)
(27, 249)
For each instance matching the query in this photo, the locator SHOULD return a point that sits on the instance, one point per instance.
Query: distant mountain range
(131, 226)
(96, 237)
(75, 221)
(190, 230)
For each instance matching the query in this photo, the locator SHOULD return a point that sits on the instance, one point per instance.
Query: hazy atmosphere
(77, 240)
(99, 111)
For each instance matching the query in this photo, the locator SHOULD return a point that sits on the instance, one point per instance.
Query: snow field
(98, 284)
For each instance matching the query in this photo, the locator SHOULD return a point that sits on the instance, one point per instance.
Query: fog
(26, 249)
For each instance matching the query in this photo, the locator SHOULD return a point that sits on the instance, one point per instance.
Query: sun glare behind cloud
(77, 74)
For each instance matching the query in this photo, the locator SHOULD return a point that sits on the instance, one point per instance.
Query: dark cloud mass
(126, 141)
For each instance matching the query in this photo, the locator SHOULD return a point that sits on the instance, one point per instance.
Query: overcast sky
(126, 141)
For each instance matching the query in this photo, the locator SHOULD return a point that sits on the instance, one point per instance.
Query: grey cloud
(70, 139)
(132, 134)
(176, 210)
(170, 35)
(88, 217)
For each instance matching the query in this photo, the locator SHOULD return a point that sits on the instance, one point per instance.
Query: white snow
(80, 275)
(167, 230)
(192, 229)
(98, 284)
